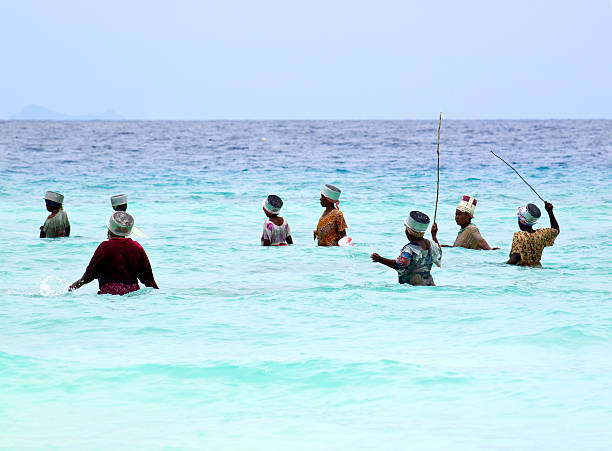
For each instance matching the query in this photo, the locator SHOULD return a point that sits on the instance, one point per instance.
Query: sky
(315, 59)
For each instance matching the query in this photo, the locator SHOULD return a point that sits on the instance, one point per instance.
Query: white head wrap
(54, 197)
(271, 208)
(331, 193)
(119, 199)
(415, 227)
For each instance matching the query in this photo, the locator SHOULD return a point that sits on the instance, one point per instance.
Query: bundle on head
(419, 217)
(534, 210)
(275, 201)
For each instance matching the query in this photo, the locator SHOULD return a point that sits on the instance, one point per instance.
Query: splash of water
(50, 286)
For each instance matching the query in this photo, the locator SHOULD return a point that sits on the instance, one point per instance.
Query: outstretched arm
(482, 244)
(385, 261)
(79, 283)
(553, 221)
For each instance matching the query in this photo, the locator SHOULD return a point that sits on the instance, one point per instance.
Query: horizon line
(315, 120)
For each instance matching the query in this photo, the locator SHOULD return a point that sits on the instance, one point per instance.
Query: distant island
(40, 113)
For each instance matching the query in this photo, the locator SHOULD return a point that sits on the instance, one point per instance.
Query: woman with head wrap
(57, 224)
(417, 257)
(469, 236)
(332, 226)
(528, 244)
(120, 262)
(119, 202)
(276, 231)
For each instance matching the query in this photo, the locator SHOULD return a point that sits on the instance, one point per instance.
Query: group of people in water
(120, 262)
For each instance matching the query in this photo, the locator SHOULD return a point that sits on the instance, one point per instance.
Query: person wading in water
(119, 262)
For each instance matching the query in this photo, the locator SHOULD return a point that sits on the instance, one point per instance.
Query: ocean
(301, 347)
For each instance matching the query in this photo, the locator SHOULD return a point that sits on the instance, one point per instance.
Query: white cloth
(277, 235)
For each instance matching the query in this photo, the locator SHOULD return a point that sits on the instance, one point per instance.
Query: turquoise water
(245, 347)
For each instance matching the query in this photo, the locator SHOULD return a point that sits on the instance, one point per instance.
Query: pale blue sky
(188, 59)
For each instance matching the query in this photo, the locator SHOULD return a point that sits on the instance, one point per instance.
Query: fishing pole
(518, 175)
(438, 185)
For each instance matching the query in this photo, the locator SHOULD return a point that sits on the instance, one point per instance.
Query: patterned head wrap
(120, 223)
(332, 194)
(417, 223)
(467, 204)
(528, 215)
(272, 204)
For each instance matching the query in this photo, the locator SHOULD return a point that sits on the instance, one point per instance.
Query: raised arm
(434, 235)
(553, 221)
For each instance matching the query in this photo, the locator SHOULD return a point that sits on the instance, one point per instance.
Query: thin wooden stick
(438, 185)
(519, 176)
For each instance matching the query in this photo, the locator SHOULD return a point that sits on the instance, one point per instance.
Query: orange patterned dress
(530, 245)
(329, 228)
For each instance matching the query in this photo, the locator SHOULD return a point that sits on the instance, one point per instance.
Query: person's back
(276, 231)
(120, 262)
(531, 245)
(528, 244)
(415, 262)
(56, 224)
(416, 258)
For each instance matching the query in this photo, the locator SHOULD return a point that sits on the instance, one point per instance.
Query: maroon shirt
(120, 260)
